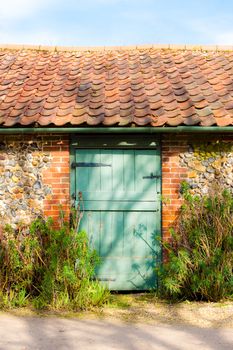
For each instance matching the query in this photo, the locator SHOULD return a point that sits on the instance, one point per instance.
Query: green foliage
(48, 266)
(200, 254)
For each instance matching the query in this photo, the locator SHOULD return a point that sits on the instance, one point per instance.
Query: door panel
(120, 190)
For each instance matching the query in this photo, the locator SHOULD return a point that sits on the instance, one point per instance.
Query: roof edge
(184, 47)
(116, 130)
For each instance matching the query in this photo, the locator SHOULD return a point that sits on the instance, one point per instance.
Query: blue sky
(116, 22)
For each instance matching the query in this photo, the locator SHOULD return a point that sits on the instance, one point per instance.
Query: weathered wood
(122, 213)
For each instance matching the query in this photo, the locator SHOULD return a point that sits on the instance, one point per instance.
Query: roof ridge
(116, 48)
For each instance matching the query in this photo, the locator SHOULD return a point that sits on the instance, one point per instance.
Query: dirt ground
(130, 322)
(146, 308)
(53, 333)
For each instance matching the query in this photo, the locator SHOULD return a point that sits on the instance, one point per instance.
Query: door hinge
(88, 165)
(151, 176)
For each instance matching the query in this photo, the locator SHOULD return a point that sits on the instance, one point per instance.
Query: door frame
(115, 141)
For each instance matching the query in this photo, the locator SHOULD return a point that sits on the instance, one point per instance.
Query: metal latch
(104, 279)
(151, 176)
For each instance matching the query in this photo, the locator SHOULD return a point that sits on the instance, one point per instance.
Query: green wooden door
(121, 198)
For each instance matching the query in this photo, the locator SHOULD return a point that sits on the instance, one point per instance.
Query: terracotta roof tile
(149, 85)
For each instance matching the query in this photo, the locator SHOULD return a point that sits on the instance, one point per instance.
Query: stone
(33, 145)
(45, 159)
(21, 186)
(210, 170)
(13, 213)
(11, 162)
(15, 178)
(37, 185)
(193, 186)
(209, 164)
(8, 174)
(205, 190)
(217, 164)
(205, 163)
(196, 165)
(29, 157)
(192, 174)
(209, 176)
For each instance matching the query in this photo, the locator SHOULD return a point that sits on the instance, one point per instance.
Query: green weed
(200, 255)
(50, 267)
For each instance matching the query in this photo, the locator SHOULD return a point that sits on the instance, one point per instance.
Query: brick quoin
(172, 175)
(57, 176)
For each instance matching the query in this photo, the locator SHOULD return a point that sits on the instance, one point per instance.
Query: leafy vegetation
(48, 267)
(200, 254)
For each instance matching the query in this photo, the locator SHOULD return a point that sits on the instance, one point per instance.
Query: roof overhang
(117, 130)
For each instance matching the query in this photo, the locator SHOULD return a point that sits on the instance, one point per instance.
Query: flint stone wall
(22, 191)
(209, 163)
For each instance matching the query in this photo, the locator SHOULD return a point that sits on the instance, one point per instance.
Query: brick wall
(172, 175)
(57, 176)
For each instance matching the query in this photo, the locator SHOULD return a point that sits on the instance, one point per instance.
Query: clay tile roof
(147, 85)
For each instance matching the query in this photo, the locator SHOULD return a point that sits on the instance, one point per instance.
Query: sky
(116, 22)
